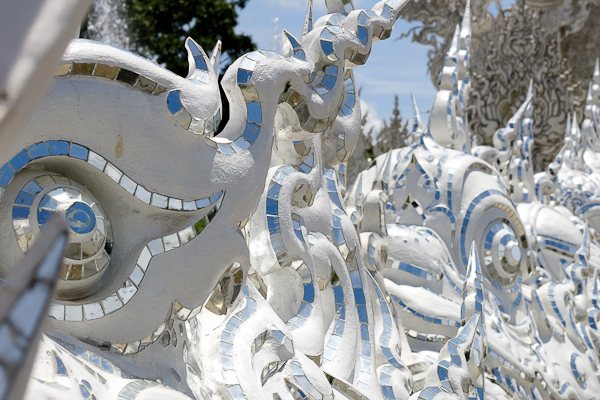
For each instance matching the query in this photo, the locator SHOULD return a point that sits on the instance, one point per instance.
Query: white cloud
(373, 120)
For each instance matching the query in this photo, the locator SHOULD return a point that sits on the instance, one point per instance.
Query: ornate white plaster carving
(234, 266)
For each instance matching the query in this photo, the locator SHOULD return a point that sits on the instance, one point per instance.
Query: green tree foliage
(393, 135)
(158, 28)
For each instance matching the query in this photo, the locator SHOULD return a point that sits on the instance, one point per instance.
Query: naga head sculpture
(156, 204)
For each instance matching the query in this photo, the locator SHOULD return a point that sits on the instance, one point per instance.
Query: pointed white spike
(474, 268)
(467, 334)
(198, 61)
(582, 253)
(586, 240)
(417, 123)
(215, 58)
(308, 20)
(473, 288)
(568, 128)
(451, 54)
(465, 32)
(596, 81)
(574, 125)
(588, 112)
(530, 90)
(594, 295)
(429, 118)
(529, 109)
(292, 47)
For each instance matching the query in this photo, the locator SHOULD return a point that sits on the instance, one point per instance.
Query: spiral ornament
(90, 236)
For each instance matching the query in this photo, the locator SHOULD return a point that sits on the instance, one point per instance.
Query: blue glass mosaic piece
(174, 102)
(254, 112)
(38, 150)
(58, 148)
(20, 160)
(6, 174)
(32, 188)
(78, 151)
(327, 47)
(251, 132)
(24, 199)
(20, 212)
(309, 293)
(43, 216)
(243, 76)
(81, 218)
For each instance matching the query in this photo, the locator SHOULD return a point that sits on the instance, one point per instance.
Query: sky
(395, 67)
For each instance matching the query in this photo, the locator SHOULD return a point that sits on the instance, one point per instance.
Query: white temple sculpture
(242, 265)
(536, 293)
